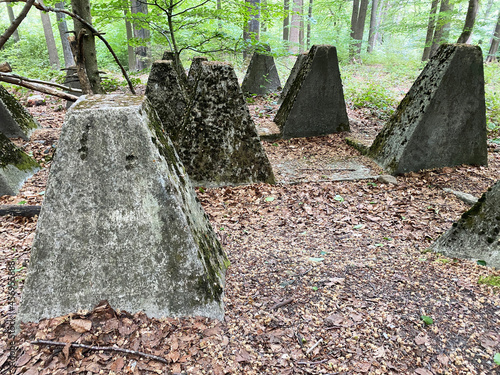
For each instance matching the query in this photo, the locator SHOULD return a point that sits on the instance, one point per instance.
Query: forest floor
(326, 277)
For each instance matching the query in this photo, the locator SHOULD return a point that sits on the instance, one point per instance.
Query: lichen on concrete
(15, 121)
(441, 121)
(15, 167)
(476, 235)
(315, 103)
(122, 224)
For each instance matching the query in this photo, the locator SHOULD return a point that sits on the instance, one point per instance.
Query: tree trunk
(141, 52)
(470, 18)
(309, 20)
(264, 19)
(373, 26)
(15, 24)
(10, 11)
(130, 49)
(82, 8)
(495, 41)
(49, 39)
(442, 27)
(358, 18)
(430, 30)
(295, 26)
(63, 33)
(251, 26)
(286, 20)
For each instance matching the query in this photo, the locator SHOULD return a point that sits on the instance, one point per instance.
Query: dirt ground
(326, 277)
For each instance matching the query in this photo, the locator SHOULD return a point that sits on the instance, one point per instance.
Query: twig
(103, 348)
(314, 346)
(282, 303)
(312, 363)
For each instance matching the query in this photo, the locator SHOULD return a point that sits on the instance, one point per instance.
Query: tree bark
(358, 18)
(10, 11)
(82, 9)
(495, 41)
(373, 26)
(130, 49)
(295, 26)
(251, 26)
(442, 27)
(286, 20)
(14, 25)
(470, 18)
(63, 33)
(142, 53)
(430, 30)
(49, 39)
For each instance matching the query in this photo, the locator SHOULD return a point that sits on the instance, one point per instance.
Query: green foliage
(427, 320)
(496, 358)
(491, 280)
(492, 97)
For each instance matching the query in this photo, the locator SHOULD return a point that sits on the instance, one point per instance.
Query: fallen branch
(314, 346)
(34, 86)
(19, 210)
(5, 67)
(312, 363)
(48, 83)
(15, 24)
(103, 348)
(282, 303)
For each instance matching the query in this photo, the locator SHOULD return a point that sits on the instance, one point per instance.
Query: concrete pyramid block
(301, 58)
(442, 119)
(15, 167)
(167, 95)
(477, 234)
(220, 145)
(181, 72)
(261, 77)
(120, 222)
(315, 103)
(15, 121)
(194, 69)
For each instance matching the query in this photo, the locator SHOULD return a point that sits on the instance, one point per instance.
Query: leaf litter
(357, 310)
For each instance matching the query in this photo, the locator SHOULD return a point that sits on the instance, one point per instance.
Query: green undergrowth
(491, 280)
(492, 97)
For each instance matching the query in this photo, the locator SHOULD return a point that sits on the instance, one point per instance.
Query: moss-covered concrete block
(121, 222)
(315, 103)
(15, 121)
(293, 74)
(15, 167)
(261, 77)
(477, 234)
(441, 122)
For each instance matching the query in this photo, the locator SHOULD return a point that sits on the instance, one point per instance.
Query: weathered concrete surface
(181, 72)
(220, 145)
(477, 234)
(168, 97)
(261, 77)
(442, 119)
(197, 60)
(15, 121)
(120, 222)
(315, 104)
(293, 74)
(15, 167)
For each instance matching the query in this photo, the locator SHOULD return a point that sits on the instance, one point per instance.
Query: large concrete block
(120, 222)
(477, 234)
(293, 74)
(181, 72)
(194, 69)
(261, 77)
(15, 121)
(15, 167)
(442, 119)
(315, 103)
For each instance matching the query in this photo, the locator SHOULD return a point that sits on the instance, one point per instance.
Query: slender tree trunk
(10, 11)
(63, 33)
(251, 26)
(373, 26)
(295, 26)
(263, 15)
(442, 27)
(286, 20)
(130, 49)
(470, 18)
(82, 8)
(495, 41)
(430, 30)
(309, 21)
(358, 17)
(49, 39)
(142, 52)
